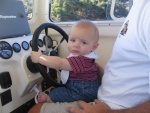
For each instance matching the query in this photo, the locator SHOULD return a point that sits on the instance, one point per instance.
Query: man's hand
(98, 107)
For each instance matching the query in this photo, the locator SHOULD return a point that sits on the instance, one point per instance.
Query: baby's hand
(35, 56)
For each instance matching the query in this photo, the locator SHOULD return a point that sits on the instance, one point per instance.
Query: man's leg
(36, 108)
(52, 107)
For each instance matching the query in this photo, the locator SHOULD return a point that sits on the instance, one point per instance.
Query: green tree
(121, 8)
(28, 5)
(64, 10)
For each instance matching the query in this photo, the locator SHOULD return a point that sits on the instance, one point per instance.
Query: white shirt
(126, 81)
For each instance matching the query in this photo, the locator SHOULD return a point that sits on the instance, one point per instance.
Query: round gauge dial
(16, 47)
(31, 43)
(40, 43)
(6, 50)
(48, 41)
(25, 45)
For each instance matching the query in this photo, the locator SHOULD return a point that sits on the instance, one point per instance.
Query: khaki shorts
(57, 107)
(61, 107)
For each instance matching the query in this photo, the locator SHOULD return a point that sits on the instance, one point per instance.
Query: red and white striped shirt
(83, 68)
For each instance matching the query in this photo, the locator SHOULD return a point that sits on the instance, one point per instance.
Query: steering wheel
(36, 35)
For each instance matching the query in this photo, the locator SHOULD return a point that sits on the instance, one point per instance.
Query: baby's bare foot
(42, 97)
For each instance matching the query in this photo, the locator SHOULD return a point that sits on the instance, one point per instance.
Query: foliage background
(64, 10)
(72, 10)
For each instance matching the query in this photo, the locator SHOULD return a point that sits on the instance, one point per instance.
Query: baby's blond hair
(88, 24)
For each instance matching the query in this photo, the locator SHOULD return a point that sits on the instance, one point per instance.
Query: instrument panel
(7, 49)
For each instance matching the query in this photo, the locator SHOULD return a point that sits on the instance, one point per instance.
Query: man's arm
(100, 107)
(142, 108)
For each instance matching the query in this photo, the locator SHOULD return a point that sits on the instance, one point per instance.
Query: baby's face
(82, 41)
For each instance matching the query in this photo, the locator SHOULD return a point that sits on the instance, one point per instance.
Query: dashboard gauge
(6, 50)
(40, 43)
(31, 43)
(25, 45)
(16, 47)
(48, 41)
